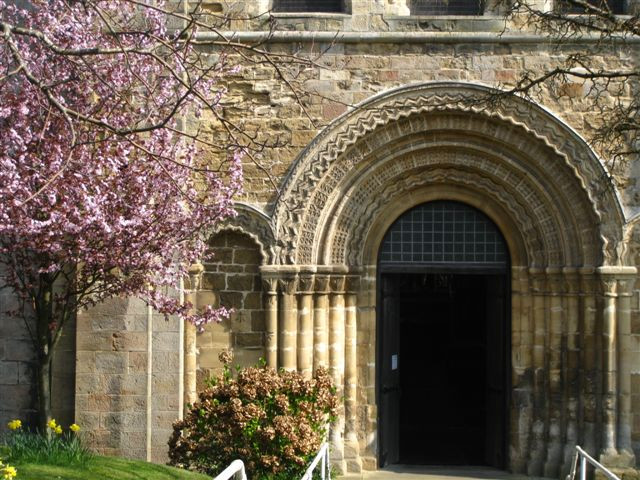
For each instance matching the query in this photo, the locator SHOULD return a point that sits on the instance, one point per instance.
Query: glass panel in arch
(444, 232)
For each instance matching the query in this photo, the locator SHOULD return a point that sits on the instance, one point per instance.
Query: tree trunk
(46, 329)
(44, 391)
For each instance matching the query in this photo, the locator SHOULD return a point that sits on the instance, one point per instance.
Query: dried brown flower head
(274, 421)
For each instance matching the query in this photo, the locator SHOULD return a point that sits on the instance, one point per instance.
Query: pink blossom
(109, 210)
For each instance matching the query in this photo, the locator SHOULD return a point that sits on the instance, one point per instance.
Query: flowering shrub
(53, 447)
(275, 421)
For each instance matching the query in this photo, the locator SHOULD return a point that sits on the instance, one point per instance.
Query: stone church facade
(406, 217)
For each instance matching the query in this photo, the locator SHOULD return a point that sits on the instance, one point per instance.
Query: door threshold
(436, 472)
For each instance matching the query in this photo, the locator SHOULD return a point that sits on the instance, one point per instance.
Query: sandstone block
(240, 282)
(9, 373)
(165, 342)
(111, 362)
(213, 281)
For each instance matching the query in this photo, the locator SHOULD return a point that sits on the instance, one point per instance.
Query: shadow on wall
(233, 279)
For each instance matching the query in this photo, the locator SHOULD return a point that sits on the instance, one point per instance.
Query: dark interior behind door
(389, 392)
(444, 403)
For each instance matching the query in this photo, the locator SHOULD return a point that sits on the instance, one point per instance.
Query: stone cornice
(398, 37)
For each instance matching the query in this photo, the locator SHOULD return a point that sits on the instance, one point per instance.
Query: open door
(389, 390)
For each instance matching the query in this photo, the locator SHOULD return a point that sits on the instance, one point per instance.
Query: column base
(615, 459)
(339, 467)
(352, 456)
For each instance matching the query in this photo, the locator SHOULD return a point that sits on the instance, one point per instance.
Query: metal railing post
(237, 466)
(322, 459)
(584, 457)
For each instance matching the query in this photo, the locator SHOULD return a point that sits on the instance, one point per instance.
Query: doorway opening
(443, 346)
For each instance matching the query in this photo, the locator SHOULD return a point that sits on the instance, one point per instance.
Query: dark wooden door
(496, 372)
(389, 390)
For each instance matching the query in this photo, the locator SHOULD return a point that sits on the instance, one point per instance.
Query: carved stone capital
(195, 276)
(352, 284)
(337, 283)
(270, 285)
(305, 283)
(625, 287)
(288, 285)
(322, 284)
(609, 286)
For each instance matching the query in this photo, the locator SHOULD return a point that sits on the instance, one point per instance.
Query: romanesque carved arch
(561, 181)
(254, 223)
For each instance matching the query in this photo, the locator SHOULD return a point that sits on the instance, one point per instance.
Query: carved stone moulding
(538, 178)
(256, 224)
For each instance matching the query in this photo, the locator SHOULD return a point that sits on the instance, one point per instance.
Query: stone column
(352, 456)
(571, 363)
(321, 322)
(305, 324)
(609, 368)
(270, 285)
(190, 348)
(554, 348)
(589, 363)
(625, 417)
(538, 427)
(288, 322)
(336, 364)
(522, 344)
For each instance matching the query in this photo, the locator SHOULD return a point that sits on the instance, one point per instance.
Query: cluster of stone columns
(311, 322)
(571, 361)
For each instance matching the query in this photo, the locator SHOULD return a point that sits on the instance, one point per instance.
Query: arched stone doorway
(547, 193)
(443, 342)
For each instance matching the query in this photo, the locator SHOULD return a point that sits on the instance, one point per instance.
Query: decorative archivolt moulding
(571, 199)
(515, 124)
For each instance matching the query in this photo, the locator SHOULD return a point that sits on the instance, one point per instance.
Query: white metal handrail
(323, 459)
(584, 458)
(236, 467)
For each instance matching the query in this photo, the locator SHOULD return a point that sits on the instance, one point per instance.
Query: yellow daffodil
(74, 427)
(58, 430)
(52, 424)
(14, 424)
(8, 472)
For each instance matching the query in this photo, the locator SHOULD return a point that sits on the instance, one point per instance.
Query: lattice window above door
(444, 232)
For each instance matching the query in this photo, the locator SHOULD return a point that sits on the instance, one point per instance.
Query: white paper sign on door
(394, 362)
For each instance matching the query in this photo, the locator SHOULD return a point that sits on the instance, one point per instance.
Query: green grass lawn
(105, 468)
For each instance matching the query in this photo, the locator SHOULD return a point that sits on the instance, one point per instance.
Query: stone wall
(18, 391)
(232, 279)
(121, 403)
(353, 72)
(17, 387)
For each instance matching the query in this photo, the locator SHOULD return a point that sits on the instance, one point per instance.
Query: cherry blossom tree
(102, 190)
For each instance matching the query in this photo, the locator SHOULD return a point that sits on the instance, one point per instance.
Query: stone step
(420, 472)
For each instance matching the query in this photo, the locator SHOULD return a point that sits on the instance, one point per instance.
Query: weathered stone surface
(371, 169)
